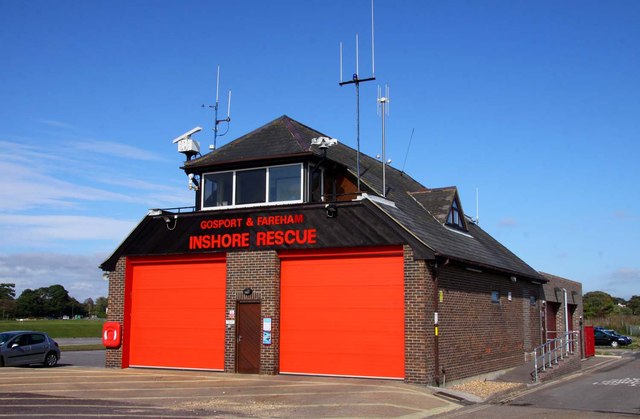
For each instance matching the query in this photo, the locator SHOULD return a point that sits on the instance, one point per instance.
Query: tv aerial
(215, 108)
(383, 110)
(356, 80)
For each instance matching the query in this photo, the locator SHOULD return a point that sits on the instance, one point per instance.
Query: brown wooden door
(248, 338)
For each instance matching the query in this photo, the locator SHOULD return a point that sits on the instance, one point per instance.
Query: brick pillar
(116, 310)
(418, 320)
(259, 271)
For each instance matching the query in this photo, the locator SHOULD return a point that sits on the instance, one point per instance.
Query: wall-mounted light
(194, 185)
(105, 275)
(247, 291)
(513, 278)
(167, 219)
(332, 210)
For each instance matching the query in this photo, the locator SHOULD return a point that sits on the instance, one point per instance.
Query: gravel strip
(484, 389)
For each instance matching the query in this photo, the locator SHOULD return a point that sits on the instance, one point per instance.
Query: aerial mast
(356, 80)
(383, 103)
(215, 108)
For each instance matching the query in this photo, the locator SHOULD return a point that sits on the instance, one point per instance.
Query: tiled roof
(280, 137)
(418, 209)
(437, 201)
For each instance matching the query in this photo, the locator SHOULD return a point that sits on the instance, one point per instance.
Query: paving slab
(72, 391)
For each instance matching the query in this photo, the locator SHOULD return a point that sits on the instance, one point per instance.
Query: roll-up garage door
(342, 313)
(177, 313)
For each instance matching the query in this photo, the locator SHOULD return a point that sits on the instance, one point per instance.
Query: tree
(597, 304)
(28, 304)
(618, 300)
(101, 307)
(7, 291)
(634, 304)
(7, 302)
(56, 300)
(89, 306)
(52, 301)
(75, 309)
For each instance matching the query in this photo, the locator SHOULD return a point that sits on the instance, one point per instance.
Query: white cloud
(27, 187)
(56, 124)
(115, 149)
(78, 274)
(64, 227)
(508, 222)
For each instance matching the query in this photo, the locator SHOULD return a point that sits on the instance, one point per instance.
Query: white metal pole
(373, 51)
(566, 316)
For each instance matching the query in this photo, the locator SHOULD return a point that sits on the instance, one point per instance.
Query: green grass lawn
(57, 328)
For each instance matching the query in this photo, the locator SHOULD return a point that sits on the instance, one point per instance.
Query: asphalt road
(611, 391)
(82, 358)
(614, 389)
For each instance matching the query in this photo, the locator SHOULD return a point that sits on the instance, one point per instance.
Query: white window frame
(255, 204)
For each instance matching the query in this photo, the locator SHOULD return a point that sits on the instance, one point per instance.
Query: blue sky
(534, 103)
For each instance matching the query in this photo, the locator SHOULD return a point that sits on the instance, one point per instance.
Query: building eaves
(280, 137)
(419, 210)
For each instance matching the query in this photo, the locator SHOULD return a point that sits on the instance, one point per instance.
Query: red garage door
(177, 313)
(343, 314)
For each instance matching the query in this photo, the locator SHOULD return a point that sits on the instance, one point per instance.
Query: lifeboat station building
(291, 263)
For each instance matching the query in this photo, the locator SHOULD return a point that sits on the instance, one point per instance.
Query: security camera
(187, 135)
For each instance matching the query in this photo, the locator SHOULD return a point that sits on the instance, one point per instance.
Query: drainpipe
(436, 328)
(435, 325)
(566, 316)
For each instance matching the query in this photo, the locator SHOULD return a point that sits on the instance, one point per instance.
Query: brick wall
(259, 271)
(477, 335)
(418, 320)
(116, 310)
(553, 292)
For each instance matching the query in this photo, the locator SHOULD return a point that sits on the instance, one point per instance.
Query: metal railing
(549, 353)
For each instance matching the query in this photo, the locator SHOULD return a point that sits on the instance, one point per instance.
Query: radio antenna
(383, 107)
(215, 109)
(356, 80)
(477, 207)
(404, 163)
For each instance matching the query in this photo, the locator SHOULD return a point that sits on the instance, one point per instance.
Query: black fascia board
(488, 268)
(358, 224)
(248, 163)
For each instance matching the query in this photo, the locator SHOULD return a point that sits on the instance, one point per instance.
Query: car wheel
(51, 360)
(614, 344)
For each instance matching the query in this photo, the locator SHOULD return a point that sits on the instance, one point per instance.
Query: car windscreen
(4, 337)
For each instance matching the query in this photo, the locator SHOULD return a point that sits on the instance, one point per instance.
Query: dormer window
(455, 217)
(251, 187)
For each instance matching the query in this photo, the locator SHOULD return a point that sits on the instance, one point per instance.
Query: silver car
(25, 347)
